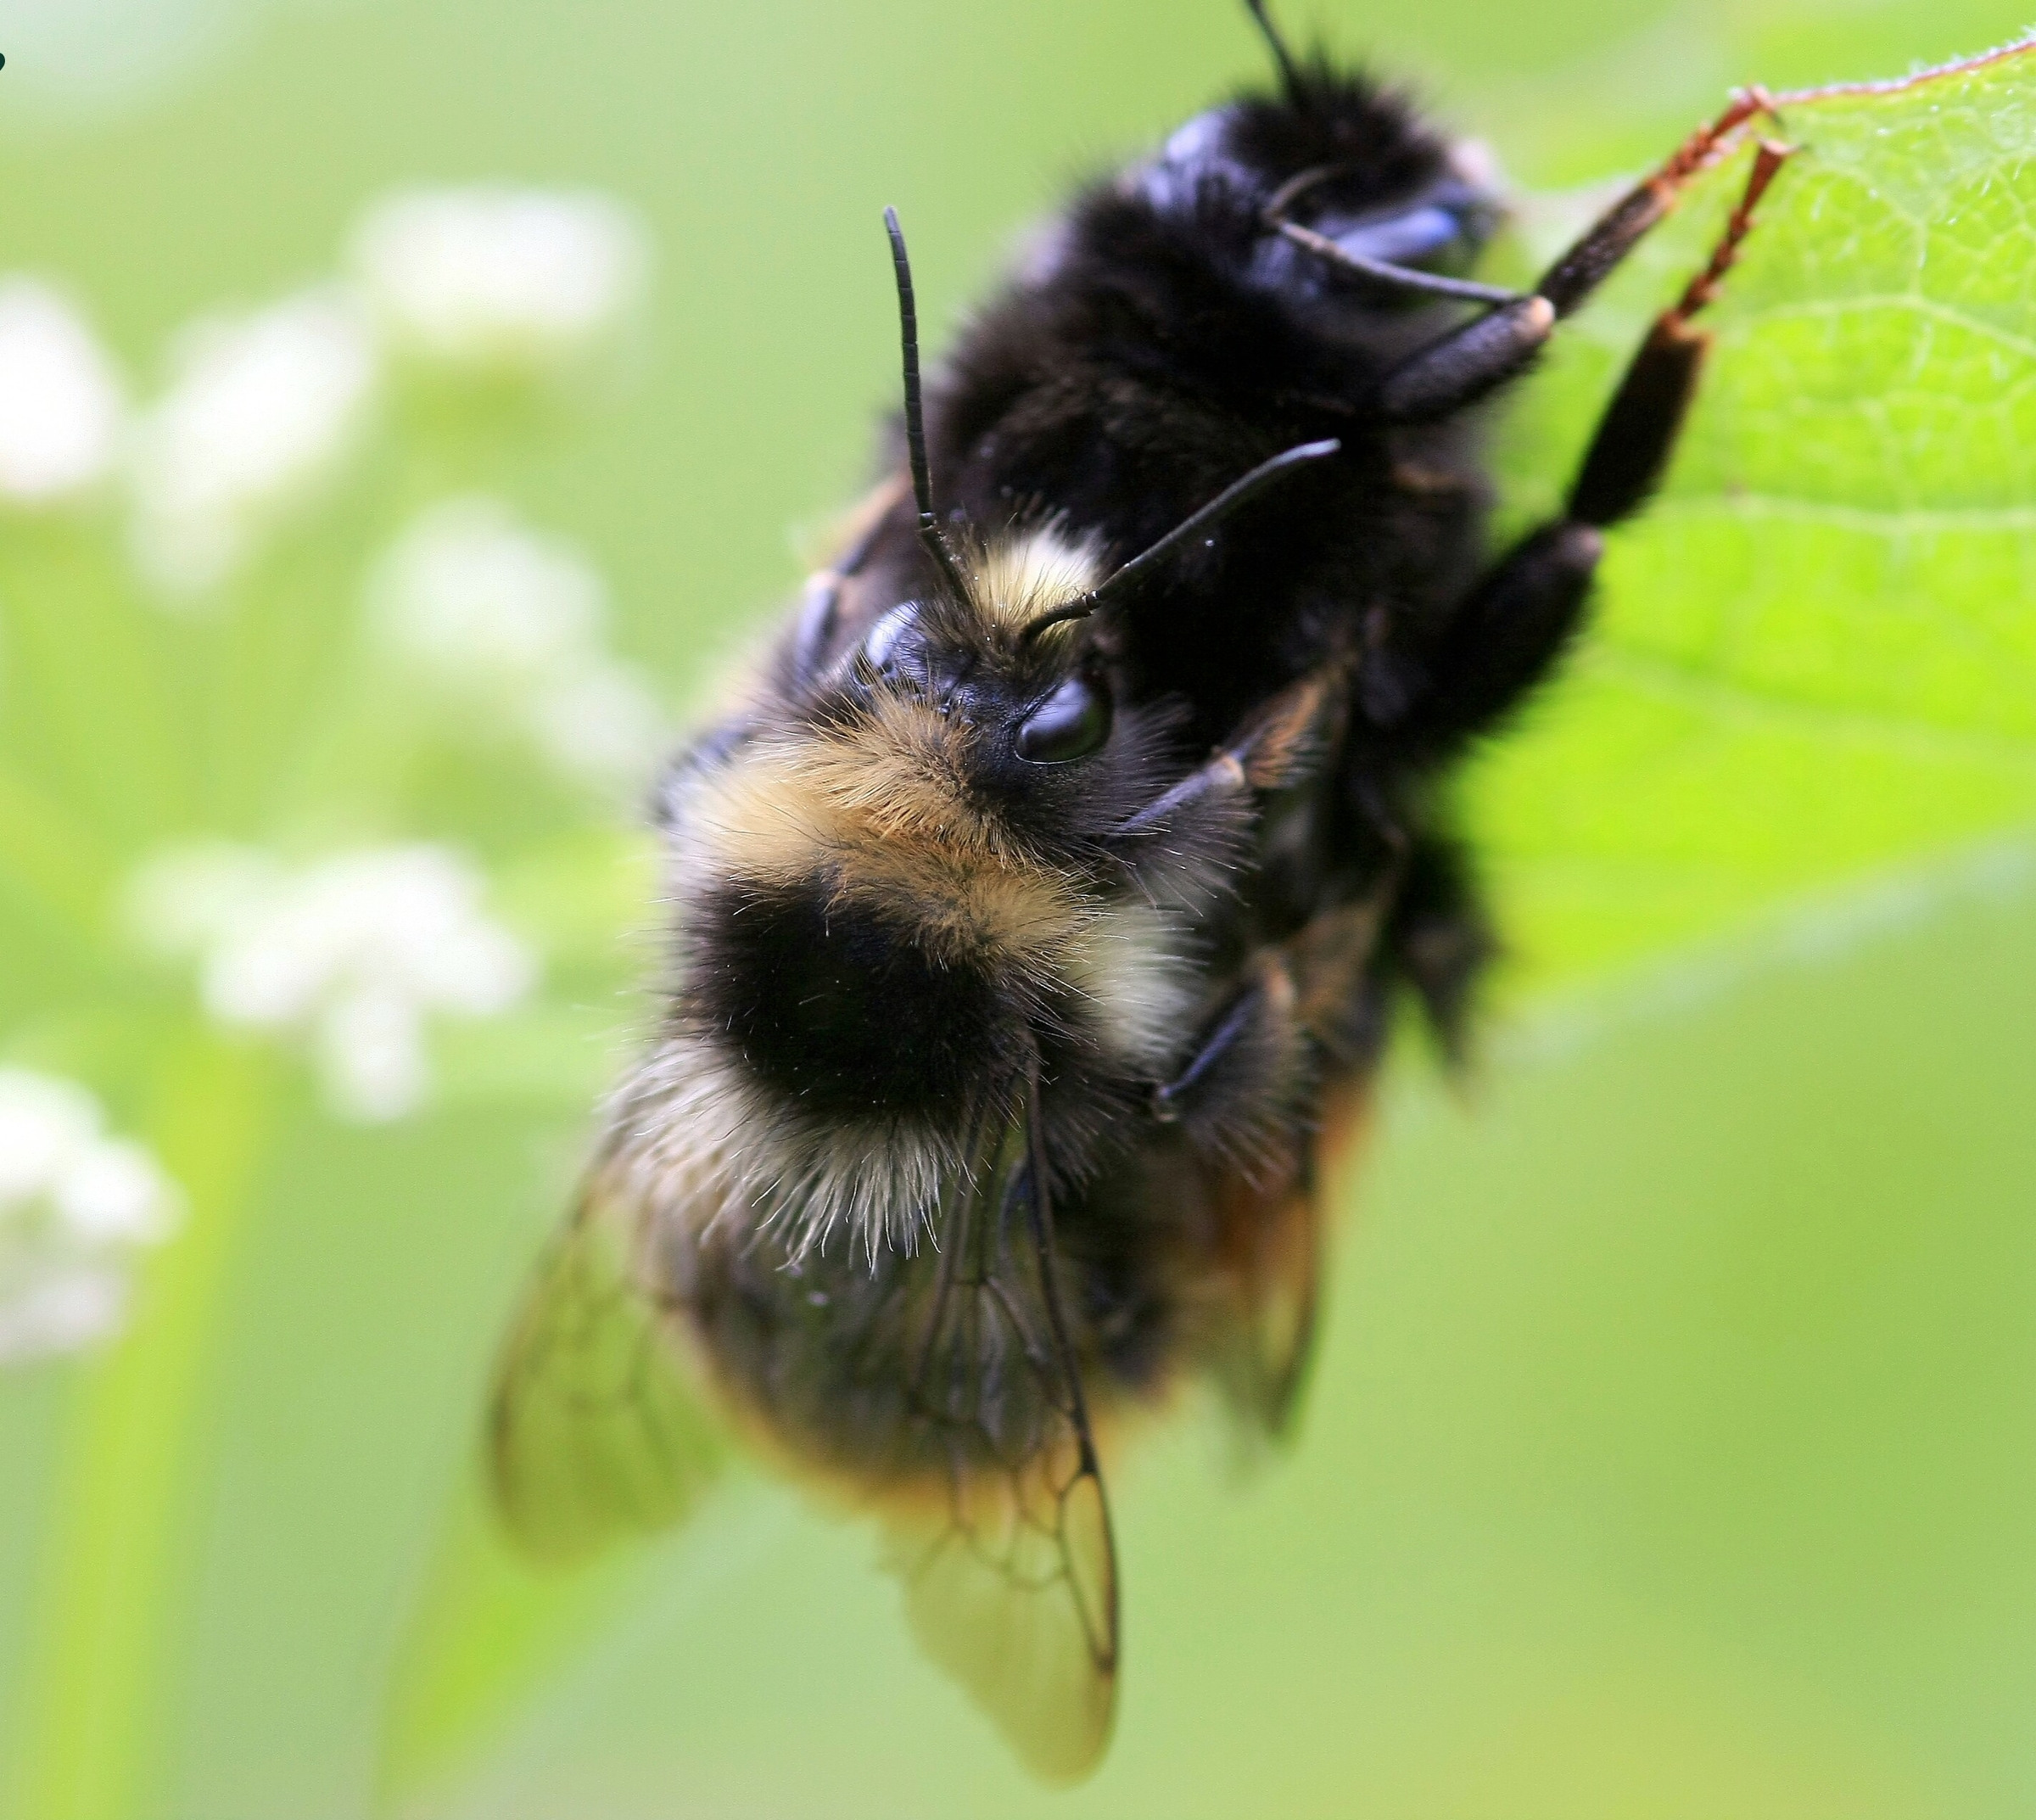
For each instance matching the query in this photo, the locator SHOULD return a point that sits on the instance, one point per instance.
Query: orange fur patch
(881, 808)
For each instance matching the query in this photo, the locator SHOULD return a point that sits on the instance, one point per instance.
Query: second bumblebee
(1037, 918)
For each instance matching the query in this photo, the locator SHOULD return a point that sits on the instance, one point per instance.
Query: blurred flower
(511, 621)
(599, 720)
(351, 953)
(75, 1206)
(262, 412)
(491, 279)
(61, 411)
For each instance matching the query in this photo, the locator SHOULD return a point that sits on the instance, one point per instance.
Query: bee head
(1331, 151)
(995, 656)
(938, 811)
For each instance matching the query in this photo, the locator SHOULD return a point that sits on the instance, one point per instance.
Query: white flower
(494, 279)
(599, 720)
(469, 591)
(61, 411)
(261, 415)
(75, 1206)
(45, 1127)
(371, 1049)
(351, 953)
(510, 622)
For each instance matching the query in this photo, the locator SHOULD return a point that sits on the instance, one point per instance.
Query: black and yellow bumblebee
(1039, 916)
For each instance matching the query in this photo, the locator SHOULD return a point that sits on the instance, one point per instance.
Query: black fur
(1156, 352)
(1162, 343)
(836, 1007)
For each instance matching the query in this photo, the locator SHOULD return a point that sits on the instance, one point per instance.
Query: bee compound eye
(1071, 723)
(1443, 228)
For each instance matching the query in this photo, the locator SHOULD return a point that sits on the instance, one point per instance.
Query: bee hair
(1239, 492)
(1289, 71)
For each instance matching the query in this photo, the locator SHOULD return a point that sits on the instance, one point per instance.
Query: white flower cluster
(263, 409)
(503, 617)
(351, 953)
(261, 415)
(490, 279)
(61, 409)
(75, 1207)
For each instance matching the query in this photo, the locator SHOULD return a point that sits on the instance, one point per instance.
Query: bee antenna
(916, 426)
(1289, 71)
(1113, 588)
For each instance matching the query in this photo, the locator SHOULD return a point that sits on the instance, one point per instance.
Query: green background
(1673, 1444)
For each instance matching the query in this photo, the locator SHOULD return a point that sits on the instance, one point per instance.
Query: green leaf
(1813, 660)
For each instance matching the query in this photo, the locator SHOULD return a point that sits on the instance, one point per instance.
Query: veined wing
(960, 1373)
(1009, 1568)
(595, 1430)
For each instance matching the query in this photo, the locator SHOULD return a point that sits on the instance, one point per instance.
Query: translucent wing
(1273, 1222)
(1008, 1567)
(1273, 1236)
(943, 1391)
(595, 1430)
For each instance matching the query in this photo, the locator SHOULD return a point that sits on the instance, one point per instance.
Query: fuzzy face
(897, 893)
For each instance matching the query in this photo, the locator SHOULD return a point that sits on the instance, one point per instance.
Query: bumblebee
(1037, 917)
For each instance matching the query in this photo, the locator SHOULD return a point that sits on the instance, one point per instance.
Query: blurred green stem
(105, 1634)
(49, 865)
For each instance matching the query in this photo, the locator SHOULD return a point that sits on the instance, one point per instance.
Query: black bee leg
(1383, 273)
(1308, 1003)
(1277, 747)
(706, 753)
(1438, 940)
(812, 630)
(1504, 637)
(1464, 365)
(1630, 447)
(1249, 1074)
(1170, 1097)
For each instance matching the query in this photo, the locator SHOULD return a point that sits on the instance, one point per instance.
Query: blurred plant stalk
(134, 1459)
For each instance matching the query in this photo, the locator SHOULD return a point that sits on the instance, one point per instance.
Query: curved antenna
(1289, 71)
(1113, 588)
(915, 427)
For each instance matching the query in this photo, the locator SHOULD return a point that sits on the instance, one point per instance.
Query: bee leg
(704, 754)
(1170, 1099)
(1438, 939)
(1386, 273)
(813, 631)
(1280, 745)
(1462, 366)
(1246, 1086)
(1515, 622)
(1310, 1002)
